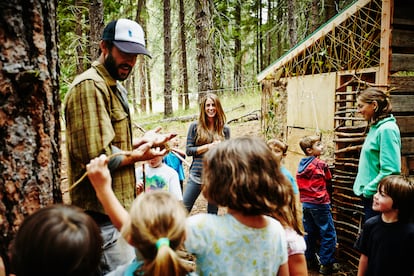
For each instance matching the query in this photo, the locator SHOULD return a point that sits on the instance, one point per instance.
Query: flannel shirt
(97, 120)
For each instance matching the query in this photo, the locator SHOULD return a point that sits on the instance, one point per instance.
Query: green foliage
(69, 41)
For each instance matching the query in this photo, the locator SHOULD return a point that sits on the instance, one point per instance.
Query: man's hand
(147, 151)
(154, 137)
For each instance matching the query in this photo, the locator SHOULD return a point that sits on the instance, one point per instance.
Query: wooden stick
(126, 153)
(180, 157)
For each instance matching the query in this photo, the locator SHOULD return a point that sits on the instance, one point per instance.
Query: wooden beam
(405, 123)
(402, 62)
(385, 42)
(402, 84)
(402, 103)
(407, 145)
(403, 38)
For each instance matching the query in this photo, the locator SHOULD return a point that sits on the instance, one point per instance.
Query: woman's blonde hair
(204, 135)
(243, 174)
(155, 215)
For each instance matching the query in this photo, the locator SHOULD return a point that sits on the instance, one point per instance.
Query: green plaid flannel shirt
(97, 118)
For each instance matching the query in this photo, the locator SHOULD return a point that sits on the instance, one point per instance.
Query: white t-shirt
(224, 246)
(162, 177)
(296, 243)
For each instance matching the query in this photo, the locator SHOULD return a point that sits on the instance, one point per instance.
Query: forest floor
(250, 128)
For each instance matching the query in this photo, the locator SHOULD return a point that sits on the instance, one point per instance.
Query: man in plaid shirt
(98, 122)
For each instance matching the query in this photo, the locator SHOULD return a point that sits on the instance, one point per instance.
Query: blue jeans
(116, 251)
(192, 191)
(318, 222)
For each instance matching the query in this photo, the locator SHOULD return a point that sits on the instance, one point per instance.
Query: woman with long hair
(208, 131)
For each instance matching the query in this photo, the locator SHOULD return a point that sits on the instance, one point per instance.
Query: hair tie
(161, 242)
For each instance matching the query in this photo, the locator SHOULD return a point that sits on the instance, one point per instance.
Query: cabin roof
(348, 41)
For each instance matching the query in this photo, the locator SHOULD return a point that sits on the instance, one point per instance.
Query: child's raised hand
(139, 186)
(98, 173)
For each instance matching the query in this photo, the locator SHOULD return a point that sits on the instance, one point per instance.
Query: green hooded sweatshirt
(380, 156)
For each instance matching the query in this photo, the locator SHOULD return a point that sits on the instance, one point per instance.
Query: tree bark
(183, 62)
(293, 36)
(141, 61)
(237, 75)
(167, 60)
(29, 112)
(80, 64)
(315, 15)
(203, 47)
(96, 23)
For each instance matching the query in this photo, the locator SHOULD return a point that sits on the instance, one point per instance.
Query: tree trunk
(96, 23)
(203, 47)
(314, 15)
(167, 60)
(183, 63)
(29, 112)
(141, 62)
(293, 36)
(80, 64)
(237, 79)
(260, 38)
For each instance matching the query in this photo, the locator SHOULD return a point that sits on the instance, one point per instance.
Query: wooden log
(403, 38)
(349, 149)
(350, 198)
(353, 211)
(347, 134)
(407, 145)
(336, 176)
(339, 187)
(401, 84)
(346, 164)
(352, 129)
(348, 159)
(402, 62)
(349, 225)
(348, 118)
(405, 124)
(350, 140)
(341, 203)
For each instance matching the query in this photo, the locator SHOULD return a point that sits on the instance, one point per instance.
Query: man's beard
(112, 68)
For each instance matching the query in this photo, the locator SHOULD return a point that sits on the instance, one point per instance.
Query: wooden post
(385, 42)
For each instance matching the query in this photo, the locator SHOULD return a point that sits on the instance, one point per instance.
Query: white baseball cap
(127, 36)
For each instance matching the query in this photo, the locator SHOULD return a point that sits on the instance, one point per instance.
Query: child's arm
(283, 270)
(363, 263)
(101, 180)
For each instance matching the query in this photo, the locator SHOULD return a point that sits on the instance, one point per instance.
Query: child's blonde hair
(308, 141)
(158, 216)
(401, 190)
(243, 174)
